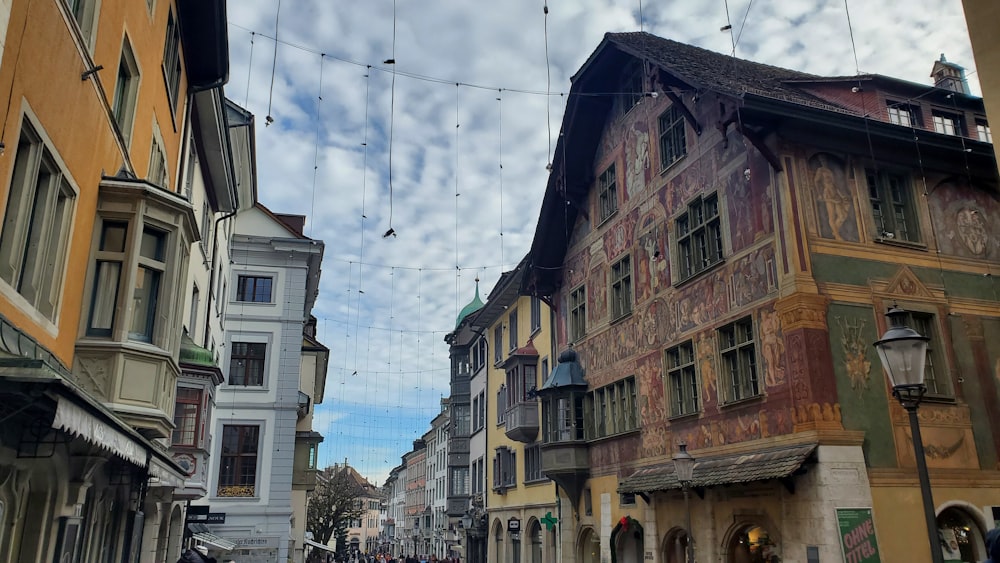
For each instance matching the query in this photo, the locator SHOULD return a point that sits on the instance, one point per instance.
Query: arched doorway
(675, 545)
(497, 533)
(753, 544)
(176, 532)
(535, 537)
(627, 541)
(960, 535)
(589, 547)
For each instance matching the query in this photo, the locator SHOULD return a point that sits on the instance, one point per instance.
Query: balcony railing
(522, 421)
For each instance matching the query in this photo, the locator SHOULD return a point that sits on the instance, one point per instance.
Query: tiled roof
(722, 470)
(720, 72)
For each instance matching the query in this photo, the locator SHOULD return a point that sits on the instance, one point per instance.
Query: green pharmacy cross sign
(549, 521)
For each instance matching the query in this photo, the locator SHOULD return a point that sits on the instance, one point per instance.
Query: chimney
(949, 76)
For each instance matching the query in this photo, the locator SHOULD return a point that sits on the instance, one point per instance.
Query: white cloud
(392, 333)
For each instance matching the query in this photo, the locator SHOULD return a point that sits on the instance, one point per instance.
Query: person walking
(197, 555)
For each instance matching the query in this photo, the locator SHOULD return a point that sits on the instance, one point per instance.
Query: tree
(333, 505)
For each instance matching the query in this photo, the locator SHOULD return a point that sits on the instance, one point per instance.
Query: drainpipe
(211, 275)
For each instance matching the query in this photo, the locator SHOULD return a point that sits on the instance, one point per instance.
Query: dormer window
(946, 123)
(983, 131)
(902, 114)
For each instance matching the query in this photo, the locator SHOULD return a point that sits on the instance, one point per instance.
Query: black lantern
(684, 469)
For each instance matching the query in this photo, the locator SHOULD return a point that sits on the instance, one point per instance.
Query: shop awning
(762, 465)
(75, 421)
(201, 533)
(319, 545)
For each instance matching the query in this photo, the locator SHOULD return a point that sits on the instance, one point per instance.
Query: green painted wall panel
(861, 387)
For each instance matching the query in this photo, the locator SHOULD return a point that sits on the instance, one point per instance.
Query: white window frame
(125, 95)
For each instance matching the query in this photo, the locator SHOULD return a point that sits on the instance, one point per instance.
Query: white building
(439, 533)
(271, 289)
(394, 491)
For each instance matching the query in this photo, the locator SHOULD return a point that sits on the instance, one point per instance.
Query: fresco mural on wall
(705, 359)
(653, 264)
(772, 348)
(620, 236)
(967, 220)
(855, 350)
(834, 204)
(636, 158)
(597, 295)
(749, 203)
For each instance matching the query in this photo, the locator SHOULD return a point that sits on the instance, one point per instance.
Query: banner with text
(857, 535)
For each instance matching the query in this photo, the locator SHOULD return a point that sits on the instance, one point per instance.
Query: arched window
(589, 547)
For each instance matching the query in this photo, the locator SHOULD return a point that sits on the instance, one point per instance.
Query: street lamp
(903, 352)
(684, 468)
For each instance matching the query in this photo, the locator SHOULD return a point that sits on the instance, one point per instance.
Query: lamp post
(684, 468)
(903, 352)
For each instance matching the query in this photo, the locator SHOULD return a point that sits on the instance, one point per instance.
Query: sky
(448, 148)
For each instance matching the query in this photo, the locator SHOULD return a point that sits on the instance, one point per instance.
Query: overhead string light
(392, 112)
(500, 162)
(548, 83)
(246, 96)
(319, 117)
(274, 65)
(364, 217)
(458, 269)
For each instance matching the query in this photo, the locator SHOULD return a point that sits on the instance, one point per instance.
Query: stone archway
(961, 534)
(588, 546)
(535, 541)
(496, 550)
(752, 540)
(627, 541)
(175, 534)
(674, 547)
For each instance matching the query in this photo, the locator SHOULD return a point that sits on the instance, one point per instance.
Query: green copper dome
(193, 354)
(473, 306)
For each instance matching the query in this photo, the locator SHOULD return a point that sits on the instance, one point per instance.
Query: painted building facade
(720, 241)
(394, 491)
(102, 100)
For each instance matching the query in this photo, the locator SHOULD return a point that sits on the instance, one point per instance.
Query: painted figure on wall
(773, 348)
(855, 347)
(835, 207)
(653, 264)
(636, 159)
(706, 368)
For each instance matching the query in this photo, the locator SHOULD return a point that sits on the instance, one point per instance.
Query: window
(892, 206)
(983, 131)
(479, 354)
(110, 256)
(607, 193)
(479, 411)
(621, 288)
(462, 420)
(84, 12)
(632, 87)
(187, 416)
(545, 369)
(699, 236)
(626, 499)
(536, 314)
(192, 163)
(206, 228)
(533, 464)
(935, 370)
(311, 461)
(193, 315)
(254, 289)
(246, 365)
(145, 295)
(521, 379)
(502, 405)
(497, 344)
(479, 475)
(588, 503)
(612, 409)
(947, 124)
(238, 466)
(158, 173)
(682, 384)
(504, 468)
(672, 143)
(512, 331)
(577, 314)
(739, 359)
(35, 235)
(901, 114)
(172, 60)
(126, 90)
(459, 481)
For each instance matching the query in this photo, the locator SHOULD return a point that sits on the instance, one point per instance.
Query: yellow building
(518, 496)
(94, 250)
(983, 18)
